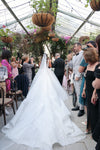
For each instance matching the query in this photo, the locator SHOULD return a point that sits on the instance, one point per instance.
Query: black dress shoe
(75, 109)
(80, 113)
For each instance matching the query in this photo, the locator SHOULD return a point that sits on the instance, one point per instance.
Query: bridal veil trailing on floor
(42, 119)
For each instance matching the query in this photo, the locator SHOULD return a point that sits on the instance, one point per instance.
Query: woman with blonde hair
(27, 68)
(91, 57)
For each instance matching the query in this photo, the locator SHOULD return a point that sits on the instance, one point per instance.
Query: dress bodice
(89, 79)
(97, 75)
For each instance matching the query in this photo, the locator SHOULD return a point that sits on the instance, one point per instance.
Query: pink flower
(67, 37)
(35, 30)
(4, 26)
(66, 42)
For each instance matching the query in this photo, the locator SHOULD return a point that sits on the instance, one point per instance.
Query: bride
(42, 119)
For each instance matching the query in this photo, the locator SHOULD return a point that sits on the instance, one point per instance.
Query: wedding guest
(33, 68)
(22, 82)
(5, 62)
(49, 62)
(69, 59)
(82, 69)
(14, 65)
(77, 77)
(59, 66)
(19, 66)
(68, 63)
(69, 73)
(91, 57)
(64, 83)
(27, 68)
(3, 76)
(96, 85)
(40, 59)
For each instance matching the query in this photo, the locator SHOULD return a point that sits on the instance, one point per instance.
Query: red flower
(4, 26)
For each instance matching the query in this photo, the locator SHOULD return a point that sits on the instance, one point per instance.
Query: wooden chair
(4, 102)
(14, 93)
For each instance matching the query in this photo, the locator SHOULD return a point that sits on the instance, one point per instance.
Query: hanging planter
(95, 5)
(51, 34)
(40, 39)
(48, 28)
(55, 39)
(6, 39)
(84, 39)
(5, 34)
(43, 19)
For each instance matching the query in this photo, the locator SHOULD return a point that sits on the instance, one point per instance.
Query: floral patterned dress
(8, 84)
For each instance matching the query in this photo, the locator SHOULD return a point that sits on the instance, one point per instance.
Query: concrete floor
(86, 144)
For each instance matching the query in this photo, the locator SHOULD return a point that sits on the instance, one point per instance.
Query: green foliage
(88, 1)
(2, 45)
(58, 47)
(5, 32)
(29, 46)
(30, 27)
(45, 6)
(93, 36)
(71, 44)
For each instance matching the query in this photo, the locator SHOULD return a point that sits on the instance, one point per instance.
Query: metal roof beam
(92, 12)
(13, 14)
(78, 17)
(21, 19)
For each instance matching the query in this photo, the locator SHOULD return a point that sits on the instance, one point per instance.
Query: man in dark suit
(59, 66)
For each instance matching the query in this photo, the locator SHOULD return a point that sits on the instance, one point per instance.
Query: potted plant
(55, 39)
(51, 34)
(95, 4)
(84, 39)
(45, 12)
(4, 35)
(43, 19)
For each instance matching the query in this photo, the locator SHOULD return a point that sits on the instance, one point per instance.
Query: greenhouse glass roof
(71, 14)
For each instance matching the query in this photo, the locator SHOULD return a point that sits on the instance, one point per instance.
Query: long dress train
(42, 119)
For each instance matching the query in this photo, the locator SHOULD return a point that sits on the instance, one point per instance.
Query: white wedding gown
(42, 119)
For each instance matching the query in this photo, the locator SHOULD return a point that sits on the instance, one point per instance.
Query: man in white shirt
(77, 76)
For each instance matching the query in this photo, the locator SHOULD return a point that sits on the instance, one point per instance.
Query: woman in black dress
(91, 57)
(96, 85)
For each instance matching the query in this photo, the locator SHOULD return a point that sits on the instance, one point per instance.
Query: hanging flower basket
(51, 34)
(40, 39)
(6, 39)
(95, 5)
(48, 28)
(55, 39)
(43, 19)
(84, 39)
